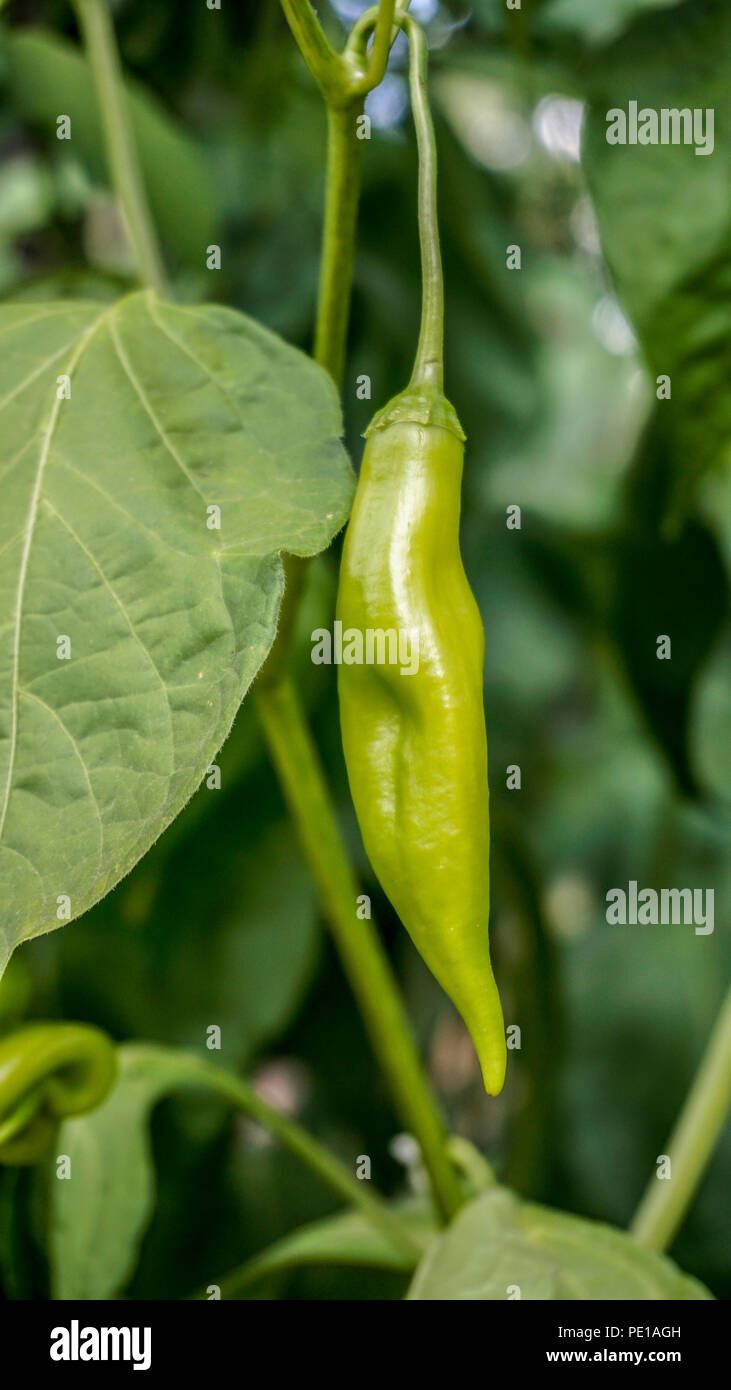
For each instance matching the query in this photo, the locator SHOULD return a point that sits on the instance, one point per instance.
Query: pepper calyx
(418, 407)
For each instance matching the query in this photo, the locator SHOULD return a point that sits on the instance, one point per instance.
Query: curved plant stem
(364, 959)
(380, 22)
(101, 48)
(325, 65)
(342, 191)
(344, 79)
(429, 362)
(691, 1143)
(313, 1154)
(381, 47)
(343, 76)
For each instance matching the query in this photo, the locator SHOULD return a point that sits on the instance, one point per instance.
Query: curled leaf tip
(49, 1071)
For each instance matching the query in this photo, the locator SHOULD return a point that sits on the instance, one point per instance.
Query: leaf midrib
(29, 533)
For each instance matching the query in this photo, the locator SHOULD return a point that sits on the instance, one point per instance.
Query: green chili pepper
(415, 744)
(47, 1072)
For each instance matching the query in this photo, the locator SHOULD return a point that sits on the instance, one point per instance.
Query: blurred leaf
(16, 988)
(640, 993)
(19, 1257)
(678, 589)
(531, 989)
(672, 586)
(497, 1242)
(233, 927)
(99, 1214)
(68, 283)
(664, 215)
(637, 583)
(273, 182)
(102, 752)
(48, 75)
(345, 1239)
(569, 469)
(246, 969)
(596, 23)
(26, 196)
(710, 724)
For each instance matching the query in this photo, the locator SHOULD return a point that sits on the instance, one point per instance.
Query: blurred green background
(625, 535)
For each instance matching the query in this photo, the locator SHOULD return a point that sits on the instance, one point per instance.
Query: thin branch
(342, 188)
(691, 1143)
(429, 362)
(323, 62)
(101, 47)
(319, 1159)
(380, 20)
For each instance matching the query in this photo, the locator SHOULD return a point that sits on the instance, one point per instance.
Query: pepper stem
(429, 361)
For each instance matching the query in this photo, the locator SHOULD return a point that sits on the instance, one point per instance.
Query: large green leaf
(664, 215)
(105, 540)
(47, 75)
(498, 1244)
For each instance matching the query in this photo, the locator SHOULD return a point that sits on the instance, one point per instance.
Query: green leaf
(498, 1243)
(345, 1239)
(594, 22)
(687, 579)
(19, 1243)
(48, 76)
(105, 541)
(26, 196)
(16, 988)
(711, 722)
(100, 1213)
(664, 215)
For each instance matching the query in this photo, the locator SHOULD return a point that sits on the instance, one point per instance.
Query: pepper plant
(169, 469)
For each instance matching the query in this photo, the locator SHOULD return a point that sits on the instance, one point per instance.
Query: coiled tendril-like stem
(47, 1072)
